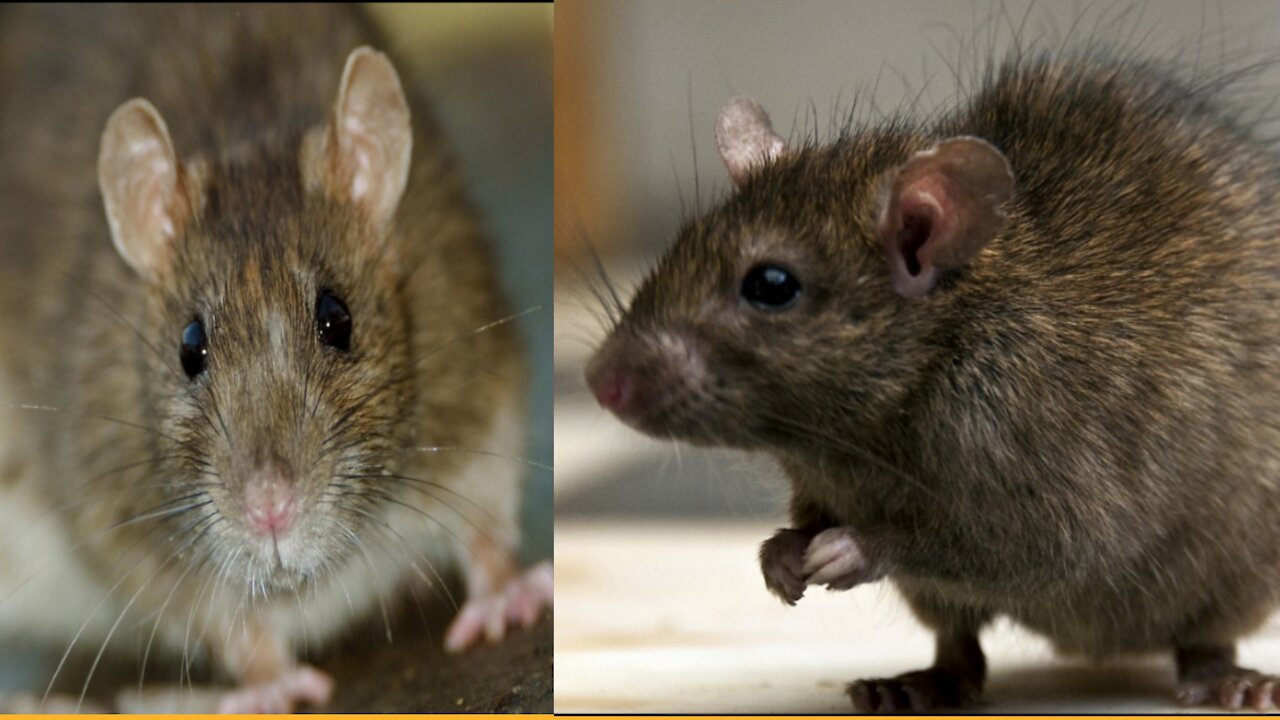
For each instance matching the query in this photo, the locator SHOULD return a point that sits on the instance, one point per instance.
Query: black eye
(333, 321)
(770, 287)
(195, 349)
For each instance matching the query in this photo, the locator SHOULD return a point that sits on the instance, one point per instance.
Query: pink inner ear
(923, 216)
(943, 207)
(911, 238)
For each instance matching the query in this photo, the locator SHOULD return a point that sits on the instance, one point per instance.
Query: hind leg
(953, 681)
(1208, 675)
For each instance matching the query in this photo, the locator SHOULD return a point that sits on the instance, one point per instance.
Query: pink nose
(614, 389)
(269, 504)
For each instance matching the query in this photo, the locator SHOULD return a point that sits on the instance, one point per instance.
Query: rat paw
(782, 563)
(836, 559)
(520, 603)
(1237, 689)
(299, 686)
(919, 691)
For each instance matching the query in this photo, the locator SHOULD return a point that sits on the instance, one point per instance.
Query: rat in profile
(259, 378)
(1021, 361)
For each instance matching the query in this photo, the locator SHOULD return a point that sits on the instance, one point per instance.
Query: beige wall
(645, 55)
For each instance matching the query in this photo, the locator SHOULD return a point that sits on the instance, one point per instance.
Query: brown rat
(1023, 360)
(257, 364)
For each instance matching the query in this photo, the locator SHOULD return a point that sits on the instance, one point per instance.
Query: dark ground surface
(415, 675)
(411, 674)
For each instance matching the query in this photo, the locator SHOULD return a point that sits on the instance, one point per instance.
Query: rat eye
(333, 321)
(195, 349)
(770, 287)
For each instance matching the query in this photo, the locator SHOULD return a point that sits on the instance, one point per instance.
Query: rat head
(806, 305)
(276, 371)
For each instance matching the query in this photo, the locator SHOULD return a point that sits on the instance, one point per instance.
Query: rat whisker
(385, 526)
(187, 655)
(403, 375)
(222, 423)
(145, 515)
(487, 453)
(430, 565)
(387, 497)
(807, 432)
(76, 638)
(478, 331)
(618, 307)
(84, 690)
(302, 615)
(86, 495)
(146, 654)
(106, 418)
(426, 484)
(359, 546)
(602, 302)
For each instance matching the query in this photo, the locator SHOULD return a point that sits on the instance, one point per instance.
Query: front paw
(300, 686)
(520, 603)
(837, 559)
(782, 563)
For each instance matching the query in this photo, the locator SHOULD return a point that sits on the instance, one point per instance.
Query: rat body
(257, 349)
(1023, 361)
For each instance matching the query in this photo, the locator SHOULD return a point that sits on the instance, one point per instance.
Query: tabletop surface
(674, 617)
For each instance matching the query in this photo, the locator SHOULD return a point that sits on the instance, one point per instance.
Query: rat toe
(920, 691)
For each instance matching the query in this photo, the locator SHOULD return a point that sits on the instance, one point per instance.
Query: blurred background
(658, 593)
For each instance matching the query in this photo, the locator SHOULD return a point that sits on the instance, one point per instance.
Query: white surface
(657, 618)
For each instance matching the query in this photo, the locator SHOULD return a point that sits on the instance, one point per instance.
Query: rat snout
(639, 380)
(270, 503)
(612, 387)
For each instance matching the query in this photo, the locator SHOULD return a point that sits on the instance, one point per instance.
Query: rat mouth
(284, 561)
(278, 575)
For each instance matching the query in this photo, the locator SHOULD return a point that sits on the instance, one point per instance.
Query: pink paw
(303, 685)
(1238, 690)
(520, 603)
(836, 559)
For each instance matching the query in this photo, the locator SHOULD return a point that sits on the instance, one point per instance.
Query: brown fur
(1079, 429)
(239, 88)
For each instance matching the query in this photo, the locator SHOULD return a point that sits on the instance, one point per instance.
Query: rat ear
(746, 138)
(942, 207)
(142, 187)
(368, 142)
